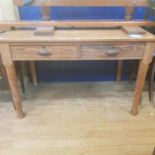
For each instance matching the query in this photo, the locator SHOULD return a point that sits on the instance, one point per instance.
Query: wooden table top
(73, 36)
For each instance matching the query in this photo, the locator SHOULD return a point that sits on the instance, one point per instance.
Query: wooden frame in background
(84, 2)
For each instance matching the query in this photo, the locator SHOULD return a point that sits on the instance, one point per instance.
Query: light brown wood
(129, 10)
(132, 30)
(72, 36)
(1, 75)
(129, 13)
(43, 52)
(12, 79)
(33, 73)
(142, 71)
(83, 2)
(78, 119)
(83, 23)
(2, 72)
(151, 82)
(45, 17)
(46, 13)
(78, 44)
(44, 31)
(87, 52)
(119, 70)
(112, 51)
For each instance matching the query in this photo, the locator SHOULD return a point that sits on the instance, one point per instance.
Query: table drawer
(112, 51)
(43, 52)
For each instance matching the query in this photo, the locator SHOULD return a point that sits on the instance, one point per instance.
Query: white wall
(7, 10)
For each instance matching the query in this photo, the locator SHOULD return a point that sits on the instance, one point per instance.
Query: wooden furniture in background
(153, 152)
(129, 10)
(2, 74)
(74, 45)
(20, 67)
(45, 17)
(3, 78)
(76, 24)
(151, 82)
(83, 2)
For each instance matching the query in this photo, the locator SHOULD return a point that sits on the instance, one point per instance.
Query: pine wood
(142, 71)
(46, 13)
(44, 31)
(45, 16)
(20, 68)
(129, 10)
(1, 70)
(58, 52)
(130, 30)
(88, 118)
(107, 52)
(12, 79)
(119, 70)
(76, 45)
(86, 51)
(151, 82)
(84, 2)
(33, 73)
(72, 36)
(82, 23)
(129, 13)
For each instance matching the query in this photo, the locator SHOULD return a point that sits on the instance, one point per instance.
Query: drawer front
(43, 52)
(116, 51)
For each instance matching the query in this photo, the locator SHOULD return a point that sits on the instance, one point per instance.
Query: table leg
(119, 70)
(142, 71)
(12, 78)
(151, 81)
(33, 73)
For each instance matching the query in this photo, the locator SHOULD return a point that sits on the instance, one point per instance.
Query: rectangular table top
(74, 35)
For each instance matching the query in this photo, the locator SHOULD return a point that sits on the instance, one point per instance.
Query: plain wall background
(7, 10)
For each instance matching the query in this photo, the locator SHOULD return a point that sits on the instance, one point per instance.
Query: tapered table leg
(142, 71)
(119, 70)
(33, 73)
(151, 81)
(12, 78)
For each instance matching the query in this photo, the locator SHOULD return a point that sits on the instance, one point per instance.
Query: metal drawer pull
(44, 52)
(112, 52)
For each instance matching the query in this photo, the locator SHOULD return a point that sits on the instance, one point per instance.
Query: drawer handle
(44, 52)
(112, 52)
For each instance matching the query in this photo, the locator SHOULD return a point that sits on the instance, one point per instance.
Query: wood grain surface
(78, 118)
(84, 2)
